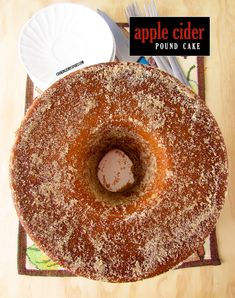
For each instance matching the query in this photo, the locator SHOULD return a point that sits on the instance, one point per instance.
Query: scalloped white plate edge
(37, 82)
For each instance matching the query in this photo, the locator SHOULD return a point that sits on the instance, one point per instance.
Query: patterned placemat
(32, 261)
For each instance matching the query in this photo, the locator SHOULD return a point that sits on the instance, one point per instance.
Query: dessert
(179, 169)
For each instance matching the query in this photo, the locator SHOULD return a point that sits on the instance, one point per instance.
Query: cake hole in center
(115, 171)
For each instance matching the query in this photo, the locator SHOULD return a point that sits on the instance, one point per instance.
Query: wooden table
(218, 281)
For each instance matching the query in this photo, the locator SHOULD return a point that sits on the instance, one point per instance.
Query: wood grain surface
(217, 281)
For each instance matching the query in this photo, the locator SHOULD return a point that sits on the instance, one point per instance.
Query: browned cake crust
(180, 168)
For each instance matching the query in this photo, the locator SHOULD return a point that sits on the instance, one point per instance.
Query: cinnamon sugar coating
(180, 168)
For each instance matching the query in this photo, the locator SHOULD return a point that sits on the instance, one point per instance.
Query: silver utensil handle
(177, 71)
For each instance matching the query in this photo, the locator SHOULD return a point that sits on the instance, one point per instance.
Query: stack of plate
(62, 38)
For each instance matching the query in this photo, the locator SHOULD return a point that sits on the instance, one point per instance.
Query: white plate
(60, 36)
